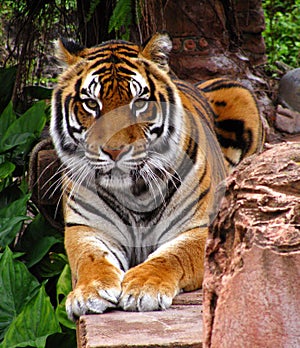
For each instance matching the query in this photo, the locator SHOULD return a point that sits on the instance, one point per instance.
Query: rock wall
(252, 264)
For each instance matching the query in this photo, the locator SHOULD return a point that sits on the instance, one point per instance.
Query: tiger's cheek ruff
(59, 126)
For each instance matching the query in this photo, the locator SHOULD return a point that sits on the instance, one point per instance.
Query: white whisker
(155, 180)
(166, 168)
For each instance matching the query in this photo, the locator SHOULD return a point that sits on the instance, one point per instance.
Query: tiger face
(112, 117)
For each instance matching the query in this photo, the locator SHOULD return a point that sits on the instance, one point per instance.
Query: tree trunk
(252, 266)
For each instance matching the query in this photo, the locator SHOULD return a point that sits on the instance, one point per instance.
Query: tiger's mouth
(117, 178)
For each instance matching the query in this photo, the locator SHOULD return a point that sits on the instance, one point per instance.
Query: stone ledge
(178, 327)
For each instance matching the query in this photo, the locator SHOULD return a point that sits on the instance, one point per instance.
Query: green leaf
(38, 92)
(25, 130)
(9, 228)
(42, 236)
(6, 169)
(10, 194)
(11, 219)
(122, 16)
(17, 207)
(7, 78)
(63, 288)
(64, 283)
(6, 119)
(51, 265)
(66, 340)
(17, 287)
(33, 325)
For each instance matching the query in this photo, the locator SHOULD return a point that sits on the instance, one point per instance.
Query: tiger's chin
(113, 179)
(117, 179)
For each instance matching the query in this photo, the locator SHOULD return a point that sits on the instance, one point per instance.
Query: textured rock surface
(289, 90)
(180, 326)
(287, 120)
(288, 111)
(252, 271)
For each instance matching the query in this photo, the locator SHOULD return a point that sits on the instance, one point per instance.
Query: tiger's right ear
(68, 51)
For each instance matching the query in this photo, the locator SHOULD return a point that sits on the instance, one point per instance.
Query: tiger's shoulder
(237, 121)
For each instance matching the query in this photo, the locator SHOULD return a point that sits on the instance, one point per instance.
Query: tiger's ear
(68, 51)
(157, 49)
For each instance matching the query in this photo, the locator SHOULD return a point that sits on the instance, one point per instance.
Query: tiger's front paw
(92, 298)
(146, 290)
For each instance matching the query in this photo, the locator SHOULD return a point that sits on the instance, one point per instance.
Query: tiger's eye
(91, 104)
(140, 103)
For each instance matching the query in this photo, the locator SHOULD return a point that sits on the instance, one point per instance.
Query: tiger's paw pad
(91, 299)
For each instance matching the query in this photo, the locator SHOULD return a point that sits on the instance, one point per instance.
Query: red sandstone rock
(178, 327)
(252, 271)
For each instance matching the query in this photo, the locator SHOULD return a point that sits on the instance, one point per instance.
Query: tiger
(143, 153)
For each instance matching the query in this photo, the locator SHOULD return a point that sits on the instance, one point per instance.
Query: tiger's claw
(84, 300)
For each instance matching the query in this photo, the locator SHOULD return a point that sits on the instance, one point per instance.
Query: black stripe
(211, 115)
(69, 148)
(108, 83)
(163, 104)
(101, 61)
(185, 212)
(152, 86)
(130, 63)
(99, 56)
(76, 211)
(238, 128)
(58, 114)
(124, 70)
(74, 224)
(229, 160)
(115, 45)
(90, 208)
(158, 131)
(70, 129)
(122, 266)
(221, 84)
(232, 125)
(111, 201)
(77, 86)
(108, 51)
(192, 147)
(220, 103)
(100, 71)
(171, 98)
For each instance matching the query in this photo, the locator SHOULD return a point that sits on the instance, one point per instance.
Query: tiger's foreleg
(175, 266)
(96, 274)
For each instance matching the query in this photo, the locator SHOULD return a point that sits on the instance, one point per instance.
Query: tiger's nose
(115, 153)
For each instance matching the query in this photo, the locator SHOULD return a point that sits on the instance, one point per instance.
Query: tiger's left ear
(157, 49)
(68, 51)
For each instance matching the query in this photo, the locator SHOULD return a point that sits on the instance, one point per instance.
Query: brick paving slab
(178, 327)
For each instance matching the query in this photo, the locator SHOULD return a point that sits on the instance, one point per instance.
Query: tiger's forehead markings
(91, 86)
(138, 85)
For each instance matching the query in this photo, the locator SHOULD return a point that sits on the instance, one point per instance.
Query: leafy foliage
(34, 281)
(6, 89)
(93, 5)
(121, 18)
(125, 14)
(26, 308)
(282, 31)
